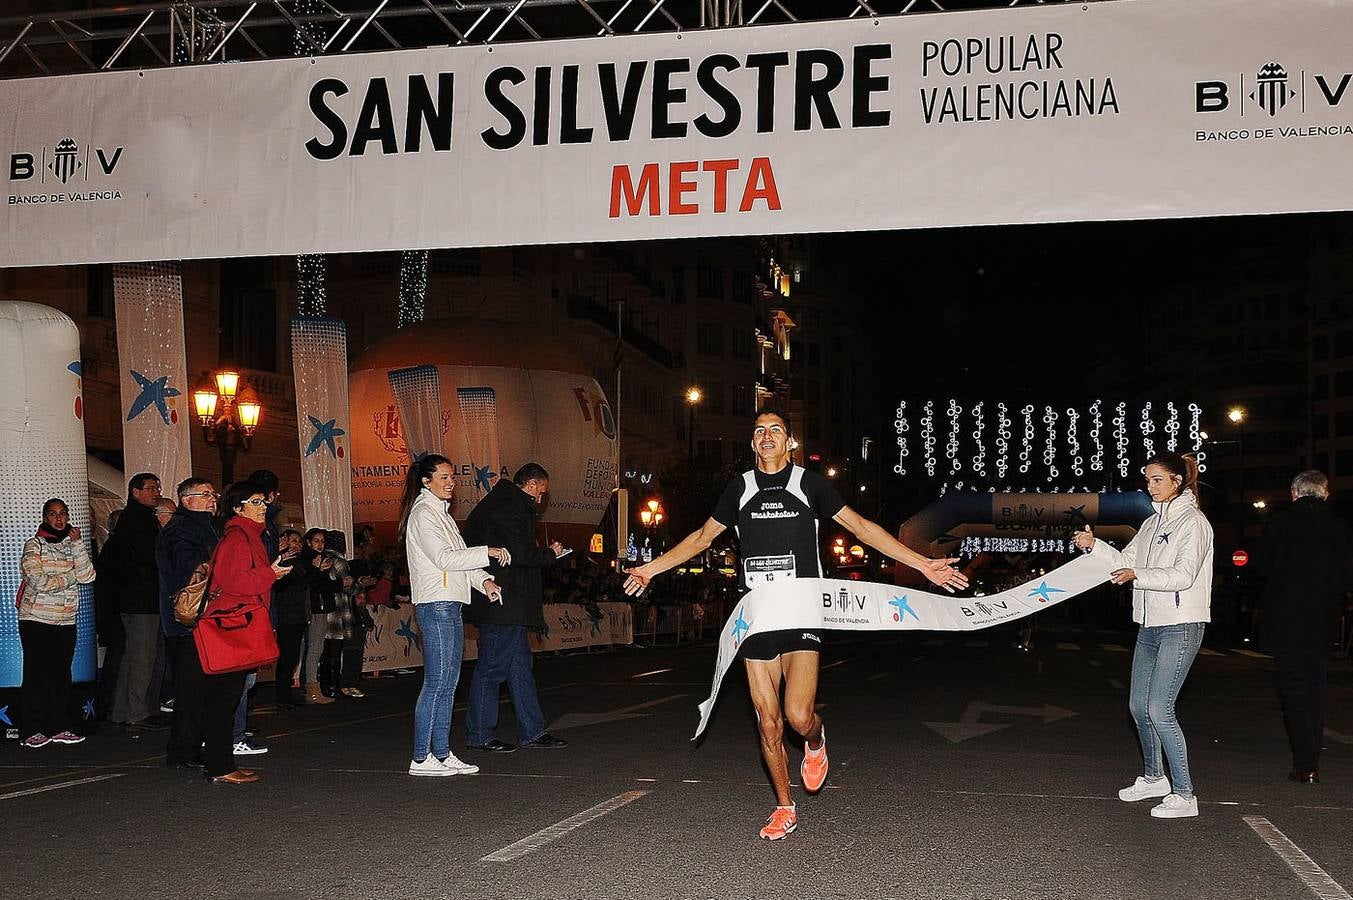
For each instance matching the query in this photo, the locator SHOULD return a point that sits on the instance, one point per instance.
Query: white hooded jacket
(441, 567)
(1172, 556)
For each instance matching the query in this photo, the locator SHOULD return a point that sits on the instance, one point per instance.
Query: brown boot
(312, 695)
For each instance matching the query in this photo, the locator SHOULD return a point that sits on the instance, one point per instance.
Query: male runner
(775, 509)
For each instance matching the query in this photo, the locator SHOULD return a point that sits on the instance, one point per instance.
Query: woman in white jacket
(1169, 564)
(442, 571)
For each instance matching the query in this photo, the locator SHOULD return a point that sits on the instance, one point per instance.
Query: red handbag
(235, 638)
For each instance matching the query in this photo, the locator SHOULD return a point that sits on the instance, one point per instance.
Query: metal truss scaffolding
(106, 35)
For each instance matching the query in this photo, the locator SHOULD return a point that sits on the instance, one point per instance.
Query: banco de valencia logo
(65, 160)
(1271, 90)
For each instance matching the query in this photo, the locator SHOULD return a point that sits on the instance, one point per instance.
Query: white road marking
(654, 672)
(1067, 645)
(1093, 662)
(1251, 653)
(839, 662)
(59, 785)
(1115, 683)
(877, 676)
(1114, 648)
(1316, 879)
(545, 836)
(1203, 651)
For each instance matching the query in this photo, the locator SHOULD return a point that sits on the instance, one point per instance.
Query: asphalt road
(961, 768)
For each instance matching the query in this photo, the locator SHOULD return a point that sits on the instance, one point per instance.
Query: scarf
(51, 535)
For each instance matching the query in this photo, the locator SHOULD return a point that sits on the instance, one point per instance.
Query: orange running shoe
(814, 768)
(781, 822)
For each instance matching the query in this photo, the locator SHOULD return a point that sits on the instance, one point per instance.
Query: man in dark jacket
(506, 518)
(1307, 555)
(130, 556)
(184, 544)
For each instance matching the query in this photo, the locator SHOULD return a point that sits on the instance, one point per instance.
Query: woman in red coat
(243, 574)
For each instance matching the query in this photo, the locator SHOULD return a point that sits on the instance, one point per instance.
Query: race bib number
(762, 570)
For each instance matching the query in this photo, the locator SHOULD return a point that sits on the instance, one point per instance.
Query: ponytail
(423, 467)
(1183, 465)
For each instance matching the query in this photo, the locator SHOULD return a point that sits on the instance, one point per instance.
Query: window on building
(678, 284)
(743, 284)
(812, 391)
(709, 338)
(1343, 424)
(1343, 464)
(1320, 387)
(1343, 383)
(712, 402)
(742, 399)
(1343, 344)
(248, 314)
(1320, 347)
(813, 429)
(709, 282)
(814, 356)
(1320, 427)
(744, 343)
(99, 292)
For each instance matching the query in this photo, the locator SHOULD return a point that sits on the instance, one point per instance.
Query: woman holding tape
(441, 572)
(1169, 564)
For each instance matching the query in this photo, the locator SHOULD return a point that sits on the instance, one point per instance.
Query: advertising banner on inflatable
(493, 419)
(148, 300)
(319, 359)
(42, 455)
(827, 603)
(1063, 112)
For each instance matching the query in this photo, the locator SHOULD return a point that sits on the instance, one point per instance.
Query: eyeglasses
(254, 501)
(211, 494)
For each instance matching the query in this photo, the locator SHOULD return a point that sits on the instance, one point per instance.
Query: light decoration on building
(1120, 437)
(413, 287)
(928, 436)
(1148, 427)
(902, 427)
(1073, 441)
(312, 299)
(1097, 423)
(1061, 463)
(1196, 435)
(979, 460)
(1002, 440)
(1172, 428)
(1027, 447)
(1050, 448)
(951, 447)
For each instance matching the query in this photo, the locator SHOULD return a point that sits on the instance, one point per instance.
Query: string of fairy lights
(312, 299)
(987, 454)
(413, 286)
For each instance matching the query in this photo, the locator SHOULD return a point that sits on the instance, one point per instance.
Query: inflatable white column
(42, 455)
(155, 411)
(319, 361)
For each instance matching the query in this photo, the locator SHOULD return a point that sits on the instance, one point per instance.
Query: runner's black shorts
(769, 644)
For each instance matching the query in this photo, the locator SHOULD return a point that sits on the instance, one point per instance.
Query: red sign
(1240, 557)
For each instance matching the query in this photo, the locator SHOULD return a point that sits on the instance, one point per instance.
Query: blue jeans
(443, 647)
(1159, 666)
(242, 709)
(504, 655)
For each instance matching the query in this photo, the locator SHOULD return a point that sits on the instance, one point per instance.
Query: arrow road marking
(968, 726)
(578, 720)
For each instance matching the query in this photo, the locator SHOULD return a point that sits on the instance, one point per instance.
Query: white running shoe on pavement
(430, 767)
(249, 747)
(1142, 789)
(1175, 807)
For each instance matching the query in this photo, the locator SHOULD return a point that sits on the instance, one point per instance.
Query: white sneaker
(459, 767)
(430, 767)
(1175, 807)
(1142, 789)
(247, 747)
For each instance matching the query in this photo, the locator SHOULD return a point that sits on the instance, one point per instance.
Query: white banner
(1060, 113)
(418, 397)
(319, 359)
(825, 603)
(156, 404)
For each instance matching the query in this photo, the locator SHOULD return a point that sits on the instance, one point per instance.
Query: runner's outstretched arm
(937, 571)
(691, 545)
